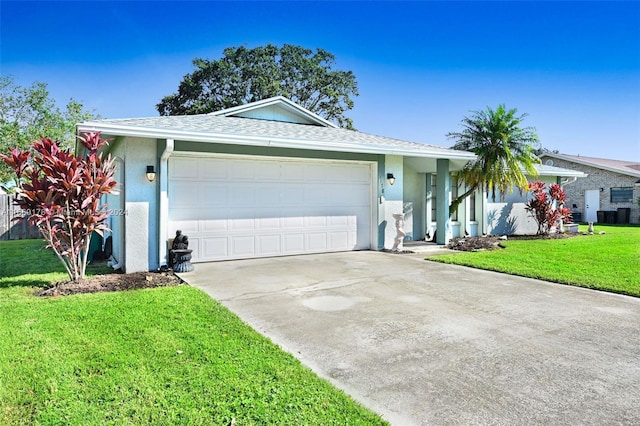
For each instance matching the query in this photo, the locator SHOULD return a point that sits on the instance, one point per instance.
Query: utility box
(576, 217)
(623, 215)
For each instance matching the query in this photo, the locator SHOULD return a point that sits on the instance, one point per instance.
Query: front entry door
(592, 205)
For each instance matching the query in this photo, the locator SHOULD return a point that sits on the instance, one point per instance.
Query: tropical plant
(504, 150)
(246, 75)
(547, 207)
(26, 111)
(60, 193)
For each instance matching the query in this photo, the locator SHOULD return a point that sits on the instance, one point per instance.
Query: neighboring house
(609, 194)
(270, 178)
(506, 215)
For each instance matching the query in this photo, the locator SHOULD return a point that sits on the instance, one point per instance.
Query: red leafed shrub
(547, 207)
(60, 193)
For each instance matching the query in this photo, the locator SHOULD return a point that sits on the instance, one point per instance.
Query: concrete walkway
(426, 343)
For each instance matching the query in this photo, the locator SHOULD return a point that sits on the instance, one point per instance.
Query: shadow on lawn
(27, 263)
(46, 278)
(24, 281)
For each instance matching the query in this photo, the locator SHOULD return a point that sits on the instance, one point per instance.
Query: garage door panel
(266, 194)
(293, 243)
(317, 172)
(189, 227)
(213, 248)
(184, 193)
(358, 195)
(292, 172)
(243, 246)
(291, 194)
(242, 170)
(270, 245)
(183, 168)
(240, 208)
(315, 194)
(292, 221)
(317, 241)
(211, 194)
(213, 225)
(214, 169)
(241, 224)
(339, 221)
(339, 239)
(242, 195)
(268, 171)
(316, 221)
(269, 220)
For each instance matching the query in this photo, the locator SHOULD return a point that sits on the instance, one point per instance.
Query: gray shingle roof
(209, 125)
(630, 168)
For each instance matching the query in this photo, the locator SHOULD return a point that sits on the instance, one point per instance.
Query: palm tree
(505, 152)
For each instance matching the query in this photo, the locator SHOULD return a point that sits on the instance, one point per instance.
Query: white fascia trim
(193, 136)
(567, 173)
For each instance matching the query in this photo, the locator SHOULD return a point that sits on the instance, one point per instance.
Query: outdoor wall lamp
(151, 173)
(391, 178)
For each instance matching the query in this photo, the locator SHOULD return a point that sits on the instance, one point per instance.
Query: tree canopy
(27, 113)
(245, 75)
(505, 151)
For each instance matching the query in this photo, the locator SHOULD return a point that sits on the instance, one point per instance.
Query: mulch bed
(113, 282)
(493, 242)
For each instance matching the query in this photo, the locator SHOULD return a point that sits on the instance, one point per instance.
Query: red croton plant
(60, 194)
(547, 207)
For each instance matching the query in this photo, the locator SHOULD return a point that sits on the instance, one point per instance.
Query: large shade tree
(505, 152)
(26, 113)
(245, 75)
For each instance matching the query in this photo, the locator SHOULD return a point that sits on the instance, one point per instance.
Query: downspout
(164, 202)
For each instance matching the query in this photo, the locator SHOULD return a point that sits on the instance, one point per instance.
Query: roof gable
(629, 168)
(277, 108)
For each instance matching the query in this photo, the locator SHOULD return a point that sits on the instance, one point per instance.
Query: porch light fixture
(391, 178)
(151, 173)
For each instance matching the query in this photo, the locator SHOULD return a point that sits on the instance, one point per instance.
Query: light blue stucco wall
(506, 215)
(414, 203)
(136, 224)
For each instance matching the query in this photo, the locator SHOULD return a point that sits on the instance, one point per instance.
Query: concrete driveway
(426, 343)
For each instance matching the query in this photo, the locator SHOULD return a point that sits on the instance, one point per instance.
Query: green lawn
(609, 262)
(158, 356)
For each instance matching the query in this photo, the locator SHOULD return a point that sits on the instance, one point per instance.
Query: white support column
(394, 197)
(443, 195)
(164, 203)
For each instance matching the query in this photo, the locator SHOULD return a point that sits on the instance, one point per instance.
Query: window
(472, 206)
(434, 188)
(454, 195)
(622, 194)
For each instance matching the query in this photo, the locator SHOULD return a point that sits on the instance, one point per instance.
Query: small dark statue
(180, 254)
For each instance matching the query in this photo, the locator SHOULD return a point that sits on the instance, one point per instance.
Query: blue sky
(574, 67)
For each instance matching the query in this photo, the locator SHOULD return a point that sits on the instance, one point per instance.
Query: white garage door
(236, 208)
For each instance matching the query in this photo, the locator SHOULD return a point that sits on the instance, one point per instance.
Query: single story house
(609, 193)
(271, 178)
